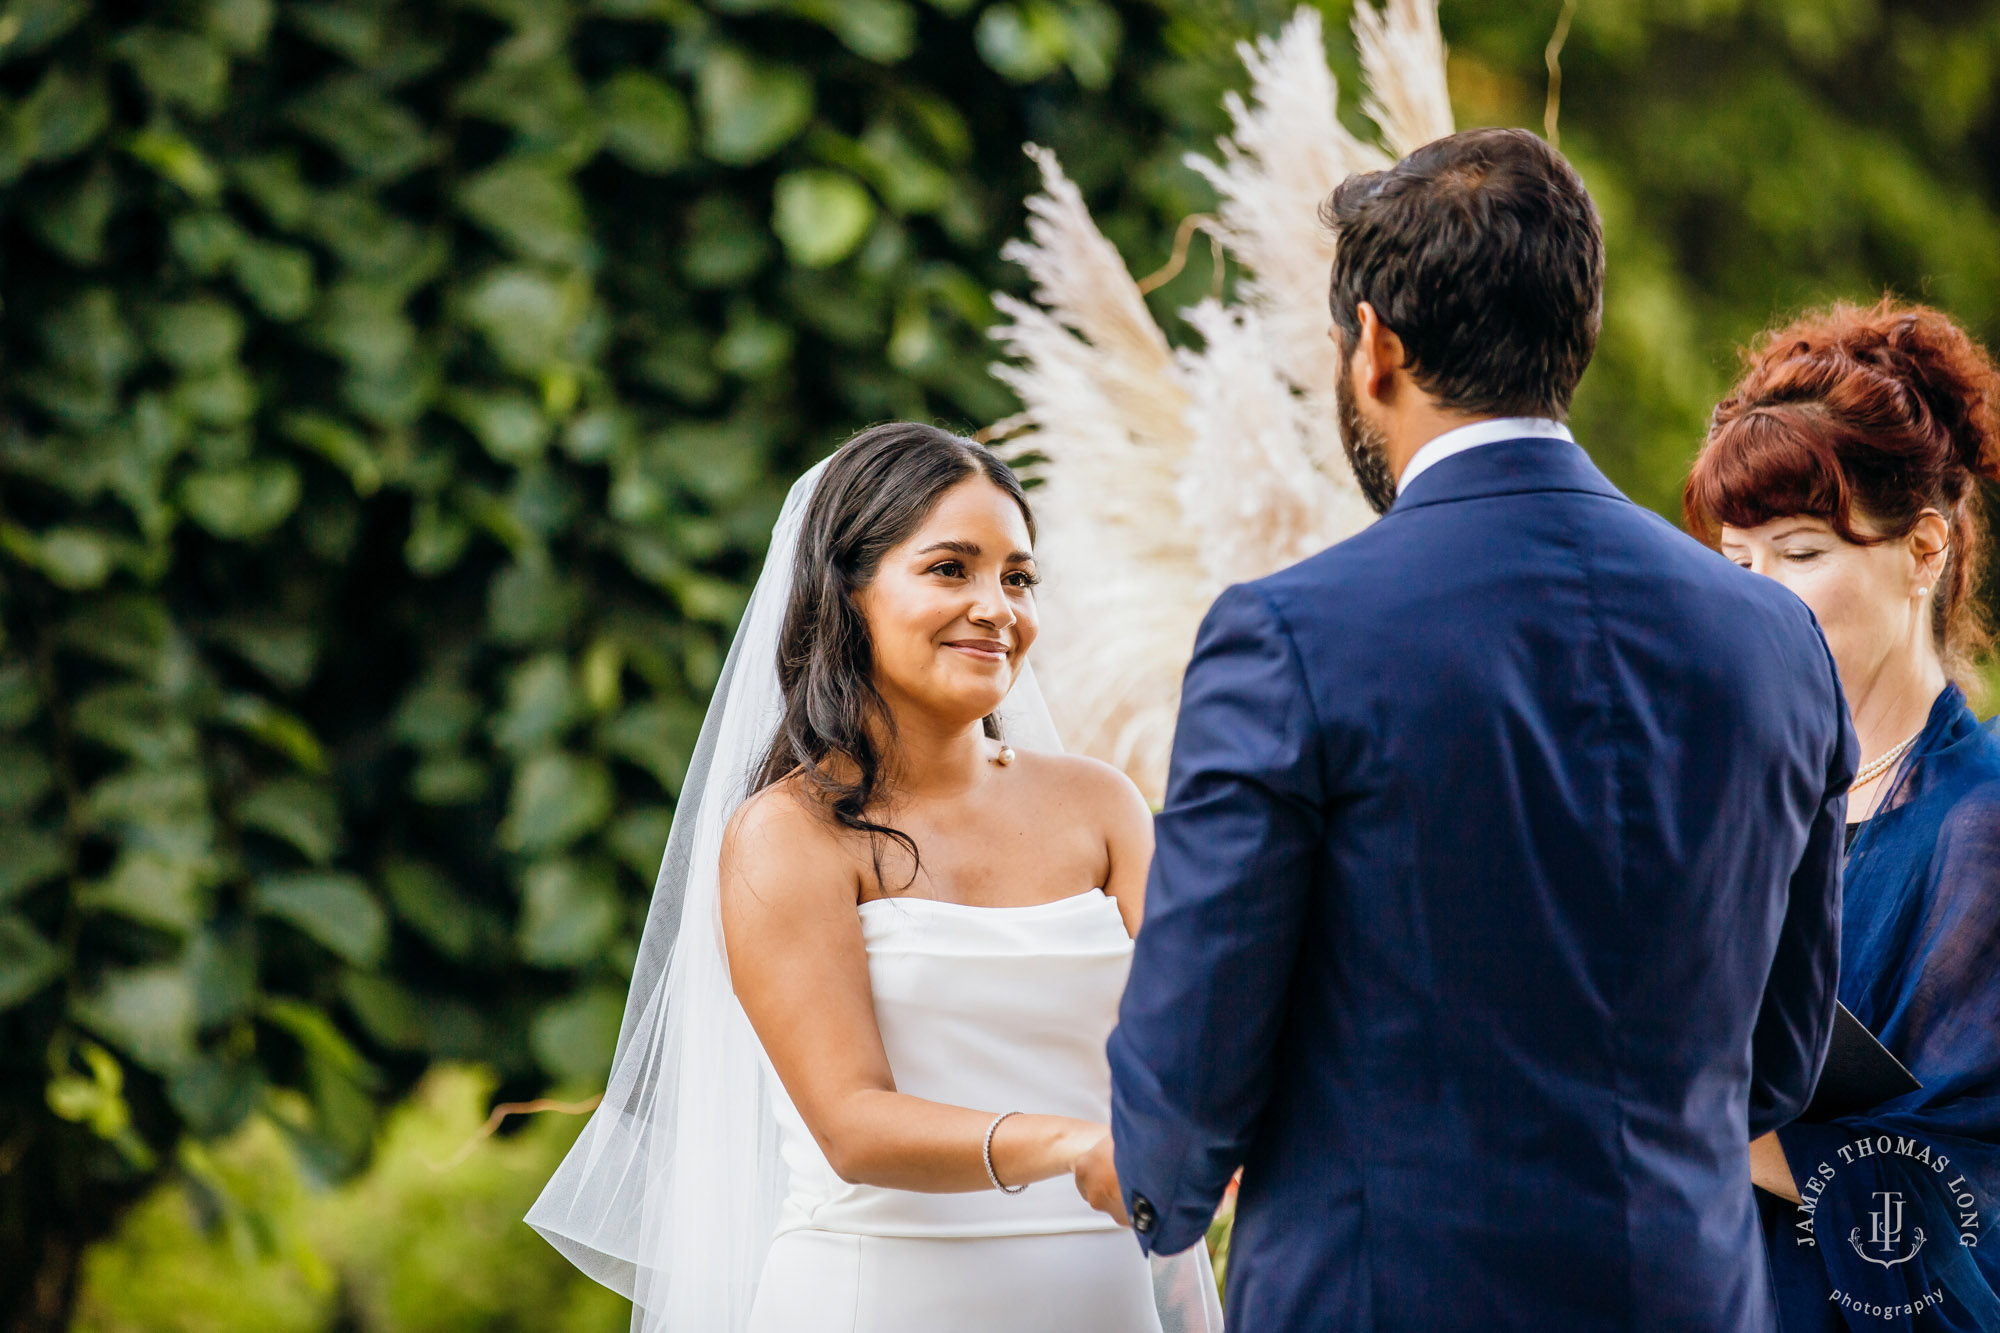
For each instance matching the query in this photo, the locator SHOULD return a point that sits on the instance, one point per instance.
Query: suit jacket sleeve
(1795, 1021)
(1238, 846)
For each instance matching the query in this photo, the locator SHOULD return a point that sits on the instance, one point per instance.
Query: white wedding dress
(696, 1191)
(998, 1008)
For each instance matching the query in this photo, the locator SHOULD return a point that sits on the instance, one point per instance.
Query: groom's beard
(1366, 446)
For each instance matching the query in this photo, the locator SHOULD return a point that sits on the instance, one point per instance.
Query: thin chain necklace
(1882, 764)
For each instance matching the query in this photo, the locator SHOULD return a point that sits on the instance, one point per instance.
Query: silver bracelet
(987, 1153)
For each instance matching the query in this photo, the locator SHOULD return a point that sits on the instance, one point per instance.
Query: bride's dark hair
(874, 492)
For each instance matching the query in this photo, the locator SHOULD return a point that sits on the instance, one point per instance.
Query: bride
(864, 1049)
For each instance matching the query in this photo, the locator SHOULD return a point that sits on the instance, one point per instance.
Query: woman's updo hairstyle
(874, 493)
(1882, 412)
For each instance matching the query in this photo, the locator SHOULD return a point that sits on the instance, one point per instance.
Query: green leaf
(335, 910)
(27, 961)
(529, 204)
(658, 736)
(20, 698)
(752, 345)
(390, 1013)
(151, 888)
(574, 1038)
(88, 336)
(282, 731)
(455, 925)
(571, 910)
(542, 702)
(557, 798)
(448, 779)
(527, 317)
(645, 121)
(437, 714)
(140, 720)
(147, 1012)
(438, 536)
(272, 180)
(284, 651)
(531, 603)
(73, 558)
(222, 968)
(176, 160)
(821, 215)
(725, 244)
(61, 117)
(303, 813)
(375, 136)
(639, 839)
(177, 68)
(749, 108)
(242, 503)
(363, 324)
(198, 335)
(277, 277)
(72, 220)
(25, 777)
(134, 633)
(884, 31)
(205, 240)
(214, 1096)
(36, 23)
(240, 25)
(28, 856)
(507, 422)
(338, 445)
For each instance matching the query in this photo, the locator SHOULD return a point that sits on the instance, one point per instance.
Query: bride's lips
(986, 650)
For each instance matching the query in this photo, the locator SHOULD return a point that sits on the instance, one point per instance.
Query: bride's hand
(1097, 1181)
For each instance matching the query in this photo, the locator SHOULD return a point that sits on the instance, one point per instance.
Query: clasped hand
(1097, 1181)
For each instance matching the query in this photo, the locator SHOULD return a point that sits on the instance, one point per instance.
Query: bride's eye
(1802, 557)
(951, 569)
(1022, 578)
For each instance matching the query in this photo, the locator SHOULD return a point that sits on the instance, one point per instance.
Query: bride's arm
(799, 967)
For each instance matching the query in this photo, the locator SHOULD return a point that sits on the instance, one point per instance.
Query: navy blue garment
(1921, 969)
(1494, 910)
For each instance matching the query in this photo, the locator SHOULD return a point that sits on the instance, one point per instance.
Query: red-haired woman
(1846, 465)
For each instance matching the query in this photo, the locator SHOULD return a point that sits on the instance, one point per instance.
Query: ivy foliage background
(394, 399)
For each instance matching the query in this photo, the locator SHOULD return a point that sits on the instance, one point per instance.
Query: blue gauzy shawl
(1897, 1228)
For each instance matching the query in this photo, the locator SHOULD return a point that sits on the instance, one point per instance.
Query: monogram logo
(1885, 1232)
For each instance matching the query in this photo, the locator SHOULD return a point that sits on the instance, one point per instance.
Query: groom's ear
(1378, 355)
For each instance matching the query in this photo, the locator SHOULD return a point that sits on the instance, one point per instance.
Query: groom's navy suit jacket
(1495, 909)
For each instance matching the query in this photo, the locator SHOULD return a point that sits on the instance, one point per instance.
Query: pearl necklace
(1871, 771)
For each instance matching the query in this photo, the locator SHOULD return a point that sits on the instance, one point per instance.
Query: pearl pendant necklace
(1005, 757)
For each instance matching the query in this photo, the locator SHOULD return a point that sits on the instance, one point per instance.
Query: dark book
(1860, 1073)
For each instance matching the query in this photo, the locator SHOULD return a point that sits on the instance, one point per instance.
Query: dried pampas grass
(1166, 474)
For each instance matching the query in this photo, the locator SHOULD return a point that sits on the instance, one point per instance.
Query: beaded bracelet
(987, 1153)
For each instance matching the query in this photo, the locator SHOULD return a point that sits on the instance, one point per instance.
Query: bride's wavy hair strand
(874, 493)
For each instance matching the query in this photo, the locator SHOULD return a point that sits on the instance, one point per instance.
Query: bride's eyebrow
(971, 551)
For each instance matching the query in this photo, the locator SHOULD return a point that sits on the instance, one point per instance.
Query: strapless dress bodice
(995, 1008)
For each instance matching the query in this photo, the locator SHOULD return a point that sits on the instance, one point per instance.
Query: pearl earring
(1924, 591)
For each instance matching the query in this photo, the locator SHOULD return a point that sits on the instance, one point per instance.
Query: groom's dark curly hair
(1483, 252)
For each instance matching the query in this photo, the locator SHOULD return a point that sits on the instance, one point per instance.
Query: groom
(1496, 896)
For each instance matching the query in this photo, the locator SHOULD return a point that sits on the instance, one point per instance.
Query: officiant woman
(1846, 464)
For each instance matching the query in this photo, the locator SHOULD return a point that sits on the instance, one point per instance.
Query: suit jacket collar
(1512, 467)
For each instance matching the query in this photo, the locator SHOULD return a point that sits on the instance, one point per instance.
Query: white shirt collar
(1460, 438)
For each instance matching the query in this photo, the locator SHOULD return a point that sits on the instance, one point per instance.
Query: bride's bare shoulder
(780, 838)
(1078, 779)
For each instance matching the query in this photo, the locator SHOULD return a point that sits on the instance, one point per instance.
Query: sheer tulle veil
(671, 1193)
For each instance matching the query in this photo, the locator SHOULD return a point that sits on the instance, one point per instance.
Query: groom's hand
(1097, 1181)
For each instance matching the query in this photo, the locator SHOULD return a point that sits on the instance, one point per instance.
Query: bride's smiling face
(951, 608)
